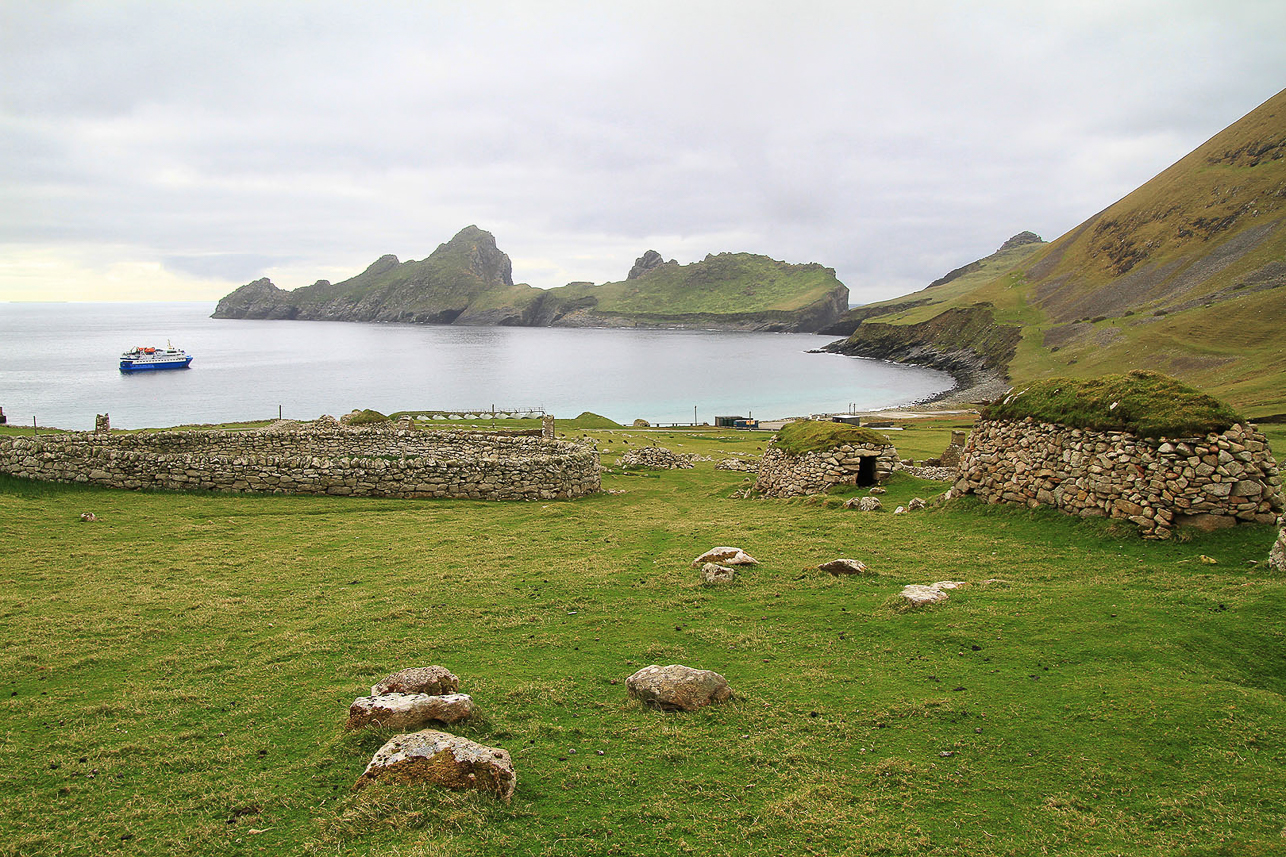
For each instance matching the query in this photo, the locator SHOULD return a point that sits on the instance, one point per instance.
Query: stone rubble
(657, 458)
(864, 504)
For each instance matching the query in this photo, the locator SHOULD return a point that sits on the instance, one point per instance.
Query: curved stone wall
(368, 462)
(782, 474)
(1210, 482)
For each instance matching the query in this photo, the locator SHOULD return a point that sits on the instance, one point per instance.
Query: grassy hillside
(1186, 275)
(176, 675)
(727, 283)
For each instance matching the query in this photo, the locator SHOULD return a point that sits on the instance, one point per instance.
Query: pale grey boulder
(408, 710)
(714, 573)
(677, 687)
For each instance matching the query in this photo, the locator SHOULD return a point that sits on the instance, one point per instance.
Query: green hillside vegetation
(1144, 403)
(176, 675)
(802, 436)
(468, 280)
(727, 283)
(1186, 275)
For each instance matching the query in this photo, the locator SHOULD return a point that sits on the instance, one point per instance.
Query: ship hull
(130, 366)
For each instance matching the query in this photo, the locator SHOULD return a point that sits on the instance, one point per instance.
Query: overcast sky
(176, 150)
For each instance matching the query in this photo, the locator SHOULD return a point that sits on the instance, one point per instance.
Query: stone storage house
(321, 458)
(811, 456)
(1141, 446)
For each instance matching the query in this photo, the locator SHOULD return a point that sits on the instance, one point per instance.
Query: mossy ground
(813, 435)
(176, 675)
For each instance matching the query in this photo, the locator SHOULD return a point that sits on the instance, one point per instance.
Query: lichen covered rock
(408, 710)
(447, 760)
(433, 680)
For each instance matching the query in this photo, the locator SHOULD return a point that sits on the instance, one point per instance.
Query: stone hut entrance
(866, 471)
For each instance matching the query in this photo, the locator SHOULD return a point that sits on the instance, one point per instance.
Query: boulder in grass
(713, 573)
(919, 595)
(677, 688)
(864, 504)
(447, 760)
(916, 503)
(725, 556)
(1277, 556)
(844, 566)
(434, 681)
(408, 710)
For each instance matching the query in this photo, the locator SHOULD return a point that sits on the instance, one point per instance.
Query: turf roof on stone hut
(812, 435)
(1144, 403)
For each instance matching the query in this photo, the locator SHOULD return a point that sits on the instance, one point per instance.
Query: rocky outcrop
(677, 687)
(447, 760)
(1220, 479)
(647, 262)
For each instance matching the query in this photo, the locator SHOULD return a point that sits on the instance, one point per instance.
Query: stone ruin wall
(1214, 481)
(366, 462)
(782, 474)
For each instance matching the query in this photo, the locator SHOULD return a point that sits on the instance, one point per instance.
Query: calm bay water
(59, 362)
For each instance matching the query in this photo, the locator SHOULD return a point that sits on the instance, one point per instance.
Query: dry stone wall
(782, 474)
(369, 462)
(1214, 481)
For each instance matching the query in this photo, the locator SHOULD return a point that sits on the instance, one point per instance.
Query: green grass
(197, 654)
(812, 435)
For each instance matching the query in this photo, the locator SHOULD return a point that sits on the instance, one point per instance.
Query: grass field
(176, 675)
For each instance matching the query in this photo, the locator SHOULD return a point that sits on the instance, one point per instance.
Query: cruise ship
(145, 359)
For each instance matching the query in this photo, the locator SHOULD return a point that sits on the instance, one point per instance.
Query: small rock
(876, 490)
(677, 687)
(864, 504)
(713, 573)
(1208, 560)
(448, 760)
(88, 516)
(433, 680)
(919, 595)
(408, 710)
(916, 503)
(948, 584)
(900, 510)
(844, 566)
(726, 556)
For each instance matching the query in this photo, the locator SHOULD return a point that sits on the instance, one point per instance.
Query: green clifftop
(1185, 275)
(468, 280)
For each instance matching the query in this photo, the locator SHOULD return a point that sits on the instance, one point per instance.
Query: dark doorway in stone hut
(866, 471)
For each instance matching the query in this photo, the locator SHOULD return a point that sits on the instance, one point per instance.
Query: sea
(59, 366)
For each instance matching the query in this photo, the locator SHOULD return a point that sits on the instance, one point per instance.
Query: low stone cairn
(411, 698)
(656, 458)
(677, 687)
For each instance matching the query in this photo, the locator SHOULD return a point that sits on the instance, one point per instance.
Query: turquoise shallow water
(58, 362)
